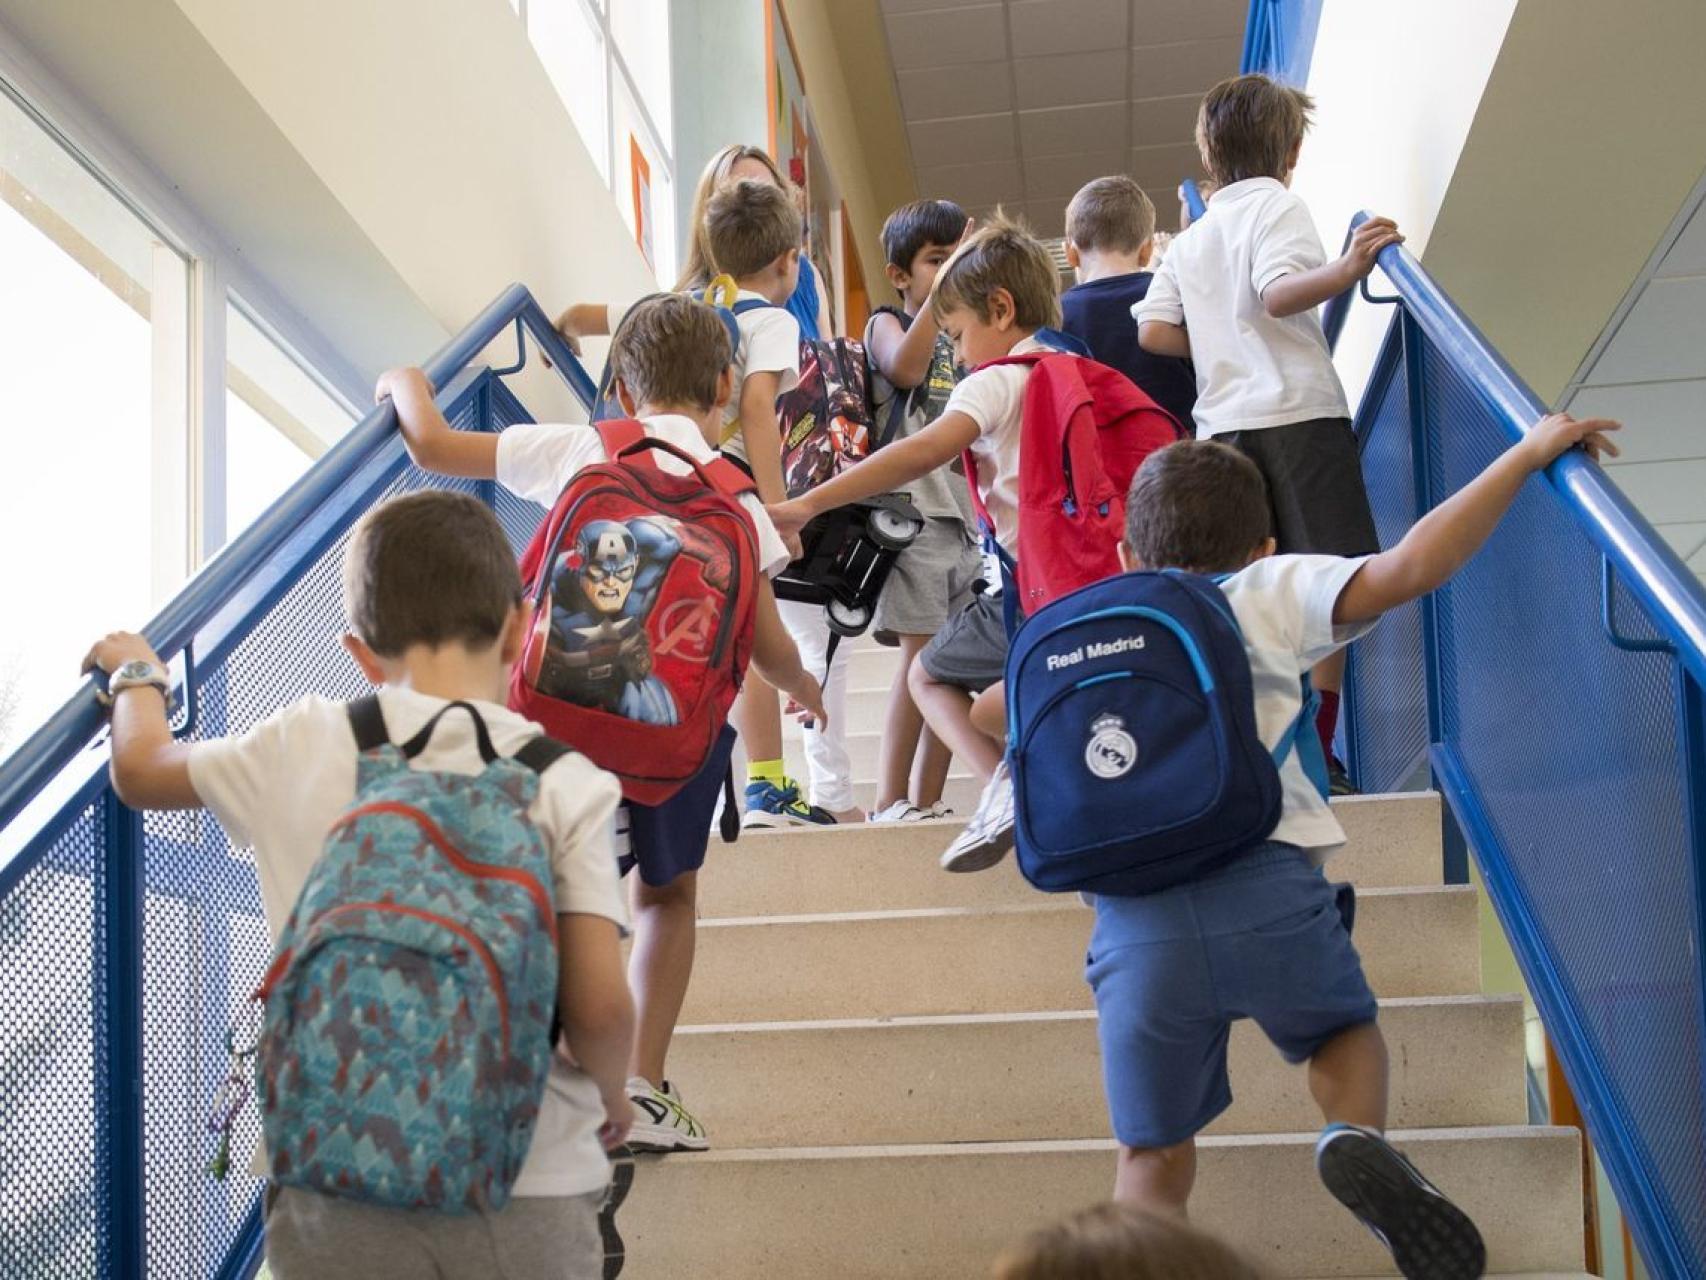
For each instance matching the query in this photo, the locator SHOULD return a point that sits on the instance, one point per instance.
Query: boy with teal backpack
(455, 895)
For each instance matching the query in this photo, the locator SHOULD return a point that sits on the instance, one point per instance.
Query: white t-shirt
(536, 460)
(1253, 371)
(1284, 606)
(994, 398)
(279, 787)
(769, 343)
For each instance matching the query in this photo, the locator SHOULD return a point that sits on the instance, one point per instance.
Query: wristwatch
(135, 674)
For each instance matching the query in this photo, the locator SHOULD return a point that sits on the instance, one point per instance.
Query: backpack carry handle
(621, 445)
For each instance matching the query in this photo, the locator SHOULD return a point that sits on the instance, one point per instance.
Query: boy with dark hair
(1110, 236)
(670, 359)
(991, 297)
(913, 374)
(437, 618)
(1238, 295)
(1265, 935)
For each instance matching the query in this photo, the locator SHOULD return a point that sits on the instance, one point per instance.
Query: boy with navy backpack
(454, 888)
(1172, 705)
(670, 359)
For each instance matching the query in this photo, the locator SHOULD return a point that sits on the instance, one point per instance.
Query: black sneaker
(1338, 781)
(1429, 1237)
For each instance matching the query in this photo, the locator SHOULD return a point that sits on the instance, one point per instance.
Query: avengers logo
(687, 629)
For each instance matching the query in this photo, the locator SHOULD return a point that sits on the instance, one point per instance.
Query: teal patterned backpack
(409, 1009)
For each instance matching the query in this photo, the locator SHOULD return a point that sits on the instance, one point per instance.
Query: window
(94, 366)
(278, 419)
(610, 63)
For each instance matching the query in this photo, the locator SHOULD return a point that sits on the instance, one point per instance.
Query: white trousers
(827, 761)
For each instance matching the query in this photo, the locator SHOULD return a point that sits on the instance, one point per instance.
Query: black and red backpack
(644, 585)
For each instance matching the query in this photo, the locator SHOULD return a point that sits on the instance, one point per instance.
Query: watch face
(137, 670)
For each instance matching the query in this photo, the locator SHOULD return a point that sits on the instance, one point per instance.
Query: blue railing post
(1691, 714)
(118, 1045)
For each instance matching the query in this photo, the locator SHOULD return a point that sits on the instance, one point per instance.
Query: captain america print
(602, 592)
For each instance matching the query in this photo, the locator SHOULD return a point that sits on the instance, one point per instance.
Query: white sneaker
(939, 810)
(989, 834)
(661, 1121)
(900, 811)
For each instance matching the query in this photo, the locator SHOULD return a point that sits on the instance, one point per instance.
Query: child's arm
(892, 467)
(1162, 339)
(777, 659)
(598, 1013)
(433, 443)
(150, 769)
(762, 433)
(584, 320)
(1439, 544)
(903, 356)
(1301, 290)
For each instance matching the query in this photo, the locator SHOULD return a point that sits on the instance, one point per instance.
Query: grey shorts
(316, 1237)
(970, 651)
(1315, 487)
(929, 581)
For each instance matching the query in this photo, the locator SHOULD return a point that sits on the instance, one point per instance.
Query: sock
(1326, 720)
(770, 771)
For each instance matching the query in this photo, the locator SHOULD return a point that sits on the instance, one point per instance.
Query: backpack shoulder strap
(752, 304)
(728, 479)
(367, 722)
(539, 754)
(617, 434)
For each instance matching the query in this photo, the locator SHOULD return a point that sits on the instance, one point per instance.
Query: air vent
(1057, 250)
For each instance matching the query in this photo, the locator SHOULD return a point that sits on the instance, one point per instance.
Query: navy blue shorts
(1266, 938)
(669, 839)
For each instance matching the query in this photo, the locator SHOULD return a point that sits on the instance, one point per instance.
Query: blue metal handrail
(41, 757)
(1193, 198)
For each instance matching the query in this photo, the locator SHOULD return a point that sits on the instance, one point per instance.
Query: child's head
(671, 354)
(1110, 217)
(730, 164)
(998, 288)
(1252, 127)
(1197, 505)
(431, 571)
(753, 232)
(1116, 1242)
(917, 240)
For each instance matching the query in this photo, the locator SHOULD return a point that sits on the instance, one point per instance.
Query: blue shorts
(669, 839)
(1266, 937)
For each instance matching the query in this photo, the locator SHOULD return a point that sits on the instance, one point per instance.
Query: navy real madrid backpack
(1131, 727)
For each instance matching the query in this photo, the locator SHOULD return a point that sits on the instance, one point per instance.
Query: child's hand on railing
(1556, 433)
(1366, 243)
(394, 380)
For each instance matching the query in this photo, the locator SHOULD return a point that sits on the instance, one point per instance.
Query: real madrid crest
(1111, 751)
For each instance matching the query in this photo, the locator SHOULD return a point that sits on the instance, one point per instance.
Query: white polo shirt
(1253, 370)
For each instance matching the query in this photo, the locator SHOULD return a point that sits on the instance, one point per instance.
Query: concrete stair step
(1392, 841)
(945, 1211)
(866, 708)
(1414, 942)
(1022, 1077)
(872, 666)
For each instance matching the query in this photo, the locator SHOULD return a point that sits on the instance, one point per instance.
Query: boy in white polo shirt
(1238, 294)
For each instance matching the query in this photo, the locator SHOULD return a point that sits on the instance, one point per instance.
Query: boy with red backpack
(1049, 442)
(641, 600)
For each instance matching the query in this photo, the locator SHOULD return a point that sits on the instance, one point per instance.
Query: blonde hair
(1110, 213)
(1116, 1242)
(697, 270)
(1001, 254)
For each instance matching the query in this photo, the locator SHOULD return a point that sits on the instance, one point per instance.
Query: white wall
(1397, 84)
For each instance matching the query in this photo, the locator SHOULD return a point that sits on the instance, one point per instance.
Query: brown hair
(910, 229)
(1197, 505)
(670, 349)
(1001, 254)
(1248, 126)
(1116, 1242)
(1110, 213)
(697, 270)
(748, 225)
(430, 568)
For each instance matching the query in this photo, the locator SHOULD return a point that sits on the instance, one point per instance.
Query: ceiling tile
(1066, 79)
(1043, 27)
(1660, 337)
(1166, 21)
(1063, 175)
(1160, 71)
(1062, 130)
(1687, 257)
(934, 93)
(1046, 217)
(915, 6)
(1166, 202)
(1167, 166)
(1662, 420)
(1155, 121)
(963, 141)
(1687, 540)
(1664, 492)
(947, 37)
(988, 183)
